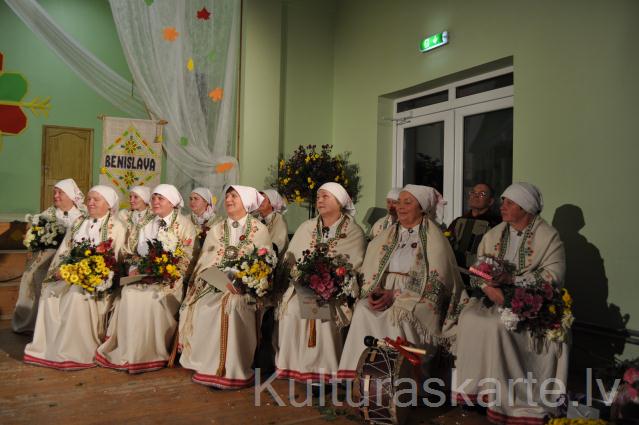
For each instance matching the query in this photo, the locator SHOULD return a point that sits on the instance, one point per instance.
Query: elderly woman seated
(218, 331)
(310, 349)
(489, 355)
(68, 205)
(411, 286)
(71, 322)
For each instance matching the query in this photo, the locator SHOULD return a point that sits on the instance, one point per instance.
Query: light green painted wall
(575, 99)
(307, 70)
(260, 89)
(73, 103)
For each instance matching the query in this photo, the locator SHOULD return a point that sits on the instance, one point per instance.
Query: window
(455, 141)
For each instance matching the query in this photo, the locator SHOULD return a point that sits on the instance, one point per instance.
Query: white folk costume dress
(219, 330)
(419, 266)
(486, 349)
(309, 350)
(26, 309)
(278, 230)
(143, 323)
(69, 324)
(381, 225)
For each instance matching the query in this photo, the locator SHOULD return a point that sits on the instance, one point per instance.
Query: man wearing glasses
(467, 230)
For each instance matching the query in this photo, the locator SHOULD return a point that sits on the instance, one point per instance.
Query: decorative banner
(131, 154)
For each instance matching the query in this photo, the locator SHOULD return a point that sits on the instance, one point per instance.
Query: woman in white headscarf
(271, 213)
(71, 323)
(203, 216)
(390, 218)
(309, 350)
(139, 206)
(486, 349)
(68, 206)
(411, 286)
(142, 326)
(218, 330)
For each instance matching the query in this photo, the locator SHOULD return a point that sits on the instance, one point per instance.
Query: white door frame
(447, 118)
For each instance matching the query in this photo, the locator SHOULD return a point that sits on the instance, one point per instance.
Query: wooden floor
(36, 395)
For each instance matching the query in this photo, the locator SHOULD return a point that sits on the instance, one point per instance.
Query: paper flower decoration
(184, 141)
(223, 166)
(216, 94)
(203, 14)
(189, 64)
(170, 34)
(13, 88)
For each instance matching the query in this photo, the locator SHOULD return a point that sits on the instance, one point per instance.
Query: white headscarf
(210, 206)
(526, 195)
(204, 193)
(143, 192)
(72, 190)
(109, 194)
(277, 202)
(393, 193)
(431, 201)
(342, 196)
(251, 198)
(171, 193)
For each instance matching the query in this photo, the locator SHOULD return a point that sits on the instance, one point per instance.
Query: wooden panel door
(67, 152)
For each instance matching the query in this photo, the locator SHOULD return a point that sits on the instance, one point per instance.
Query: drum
(376, 385)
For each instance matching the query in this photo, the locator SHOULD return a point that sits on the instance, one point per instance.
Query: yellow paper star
(216, 94)
(170, 34)
(189, 64)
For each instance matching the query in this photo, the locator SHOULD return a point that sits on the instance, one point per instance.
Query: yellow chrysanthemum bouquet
(252, 273)
(299, 177)
(91, 267)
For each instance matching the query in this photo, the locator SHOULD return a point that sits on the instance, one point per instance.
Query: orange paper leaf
(170, 34)
(216, 94)
(224, 166)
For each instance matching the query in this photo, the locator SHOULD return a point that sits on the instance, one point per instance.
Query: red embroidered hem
(303, 377)
(67, 365)
(221, 382)
(131, 368)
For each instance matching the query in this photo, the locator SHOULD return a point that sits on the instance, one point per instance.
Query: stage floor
(36, 395)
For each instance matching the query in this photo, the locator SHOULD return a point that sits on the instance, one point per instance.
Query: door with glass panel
(424, 146)
(483, 148)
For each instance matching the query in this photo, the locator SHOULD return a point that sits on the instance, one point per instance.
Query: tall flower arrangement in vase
(299, 176)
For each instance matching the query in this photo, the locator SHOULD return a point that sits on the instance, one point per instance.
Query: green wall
(73, 103)
(575, 101)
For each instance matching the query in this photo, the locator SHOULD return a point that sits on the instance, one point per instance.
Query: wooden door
(67, 152)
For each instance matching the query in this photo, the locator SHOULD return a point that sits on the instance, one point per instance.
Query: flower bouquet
(544, 310)
(91, 267)
(298, 178)
(252, 273)
(625, 407)
(44, 232)
(162, 262)
(330, 278)
(490, 268)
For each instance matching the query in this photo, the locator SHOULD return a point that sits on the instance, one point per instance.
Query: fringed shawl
(540, 257)
(348, 241)
(438, 287)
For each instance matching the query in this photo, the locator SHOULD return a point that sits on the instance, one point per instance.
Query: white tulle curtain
(106, 82)
(185, 69)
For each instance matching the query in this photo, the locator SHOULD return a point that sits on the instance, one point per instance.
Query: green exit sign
(433, 41)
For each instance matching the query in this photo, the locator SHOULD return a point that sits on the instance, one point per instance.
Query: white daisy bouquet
(44, 232)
